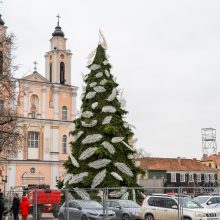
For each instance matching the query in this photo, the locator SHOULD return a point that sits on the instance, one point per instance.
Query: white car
(173, 208)
(208, 201)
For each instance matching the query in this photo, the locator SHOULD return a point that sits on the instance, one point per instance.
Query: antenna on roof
(209, 144)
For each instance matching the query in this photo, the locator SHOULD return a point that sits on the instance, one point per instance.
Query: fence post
(67, 203)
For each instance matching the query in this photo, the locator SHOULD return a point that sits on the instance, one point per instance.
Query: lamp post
(4, 180)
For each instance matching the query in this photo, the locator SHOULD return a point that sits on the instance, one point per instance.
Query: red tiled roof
(176, 164)
(214, 157)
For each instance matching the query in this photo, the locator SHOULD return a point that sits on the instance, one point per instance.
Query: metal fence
(166, 203)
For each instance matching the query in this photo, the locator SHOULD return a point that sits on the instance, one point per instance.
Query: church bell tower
(58, 59)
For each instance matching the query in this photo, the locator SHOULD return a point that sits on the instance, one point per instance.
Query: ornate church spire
(58, 31)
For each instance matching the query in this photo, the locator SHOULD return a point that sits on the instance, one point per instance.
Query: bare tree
(141, 152)
(10, 130)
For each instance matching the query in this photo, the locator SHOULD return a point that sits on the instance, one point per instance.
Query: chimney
(194, 160)
(179, 160)
(218, 153)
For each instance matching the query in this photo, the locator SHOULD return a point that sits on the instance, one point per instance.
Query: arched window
(34, 105)
(1, 63)
(51, 66)
(64, 144)
(62, 73)
(64, 113)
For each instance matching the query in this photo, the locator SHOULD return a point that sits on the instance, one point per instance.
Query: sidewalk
(46, 216)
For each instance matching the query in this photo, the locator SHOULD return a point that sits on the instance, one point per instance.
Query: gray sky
(165, 55)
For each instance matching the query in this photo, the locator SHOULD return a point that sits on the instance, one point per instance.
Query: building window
(191, 177)
(34, 105)
(1, 63)
(212, 177)
(64, 144)
(206, 177)
(173, 177)
(182, 177)
(51, 66)
(1, 105)
(62, 73)
(33, 139)
(64, 113)
(198, 177)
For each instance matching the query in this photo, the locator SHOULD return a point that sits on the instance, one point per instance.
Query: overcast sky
(165, 55)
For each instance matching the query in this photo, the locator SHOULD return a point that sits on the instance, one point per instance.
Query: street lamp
(4, 180)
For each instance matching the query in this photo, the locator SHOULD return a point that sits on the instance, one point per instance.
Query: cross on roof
(58, 16)
(35, 66)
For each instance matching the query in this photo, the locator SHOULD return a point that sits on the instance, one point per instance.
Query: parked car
(166, 207)
(207, 201)
(83, 210)
(124, 209)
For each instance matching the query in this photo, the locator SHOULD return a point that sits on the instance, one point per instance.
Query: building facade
(176, 172)
(47, 107)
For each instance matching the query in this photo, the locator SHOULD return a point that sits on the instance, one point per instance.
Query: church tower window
(1, 63)
(62, 73)
(64, 143)
(64, 113)
(51, 72)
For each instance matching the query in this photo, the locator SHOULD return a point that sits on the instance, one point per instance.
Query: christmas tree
(101, 153)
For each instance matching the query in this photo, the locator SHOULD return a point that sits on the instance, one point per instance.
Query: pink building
(47, 107)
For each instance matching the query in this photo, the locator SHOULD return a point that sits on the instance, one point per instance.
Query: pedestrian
(2, 205)
(24, 207)
(15, 206)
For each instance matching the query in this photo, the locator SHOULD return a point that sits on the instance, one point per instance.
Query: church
(46, 110)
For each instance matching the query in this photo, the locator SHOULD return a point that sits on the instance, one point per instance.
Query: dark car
(83, 210)
(124, 209)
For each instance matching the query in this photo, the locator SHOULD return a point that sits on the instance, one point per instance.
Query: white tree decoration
(99, 74)
(89, 125)
(108, 146)
(107, 120)
(98, 178)
(99, 163)
(123, 103)
(117, 176)
(74, 161)
(105, 62)
(107, 73)
(94, 105)
(87, 114)
(67, 178)
(103, 82)
(127, 146)
(78, 135)
(92, 138)
(130, 156)
(115, 194)
(93, 84)
(90, 95)
(113, 95)
(78, 177)
(124, 168)
(117, 139)
(99, 89)
(82, 96)
(94, 67)
(92, 54)
(125, 196)
(87, 153)
(82, 193)
(109, 109)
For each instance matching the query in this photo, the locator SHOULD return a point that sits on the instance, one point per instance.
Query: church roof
(35, 76)
(58, 31)
(1, 21)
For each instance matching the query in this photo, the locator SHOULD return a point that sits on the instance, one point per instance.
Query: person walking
(15, 206)
(2, 205)
(24, 207)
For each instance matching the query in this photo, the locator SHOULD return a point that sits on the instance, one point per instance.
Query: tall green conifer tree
(101, 154)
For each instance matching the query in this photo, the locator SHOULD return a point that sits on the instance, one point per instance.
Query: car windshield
(189, 203)
(90, 204)
(128, 204)
(201, 199)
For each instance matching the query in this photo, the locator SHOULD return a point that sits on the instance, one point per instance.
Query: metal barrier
(156, 203)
